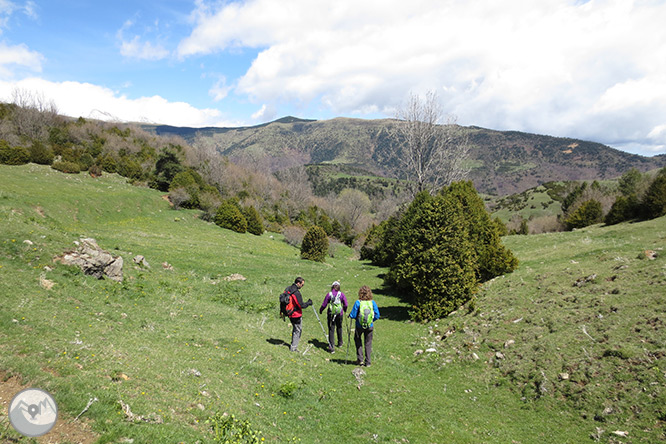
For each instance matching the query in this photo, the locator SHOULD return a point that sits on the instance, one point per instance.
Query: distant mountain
(503, 162)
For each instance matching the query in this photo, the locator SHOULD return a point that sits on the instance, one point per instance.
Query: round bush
(16, 155)
(66, 167)
(315, 244)
(229, 216)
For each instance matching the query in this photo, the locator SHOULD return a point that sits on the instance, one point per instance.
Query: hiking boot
(339, 345)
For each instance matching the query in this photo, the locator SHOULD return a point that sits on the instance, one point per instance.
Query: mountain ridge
(502, 162)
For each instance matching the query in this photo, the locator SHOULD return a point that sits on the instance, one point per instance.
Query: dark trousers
(363, 343)
(334, 325)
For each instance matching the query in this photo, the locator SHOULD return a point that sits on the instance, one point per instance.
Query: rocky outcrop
(93, 260)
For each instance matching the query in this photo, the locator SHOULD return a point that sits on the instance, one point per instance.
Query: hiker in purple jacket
(337, 306)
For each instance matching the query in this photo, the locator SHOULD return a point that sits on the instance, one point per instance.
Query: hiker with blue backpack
(366, 312)
(336, 301)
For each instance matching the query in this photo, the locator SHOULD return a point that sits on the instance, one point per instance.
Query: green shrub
(624, 208)
(16, 155)
(315, 244)
(254, 224)
(654, 202)
(436, 262)
(66, 167)
(41, 154)
(484, 233)
(229, 216)
(229, 430)
(589, 213)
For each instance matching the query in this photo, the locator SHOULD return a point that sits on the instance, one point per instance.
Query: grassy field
(181, 346)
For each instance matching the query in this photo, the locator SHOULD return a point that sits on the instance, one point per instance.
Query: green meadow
(535, 358)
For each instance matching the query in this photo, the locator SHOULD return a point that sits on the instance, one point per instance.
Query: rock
(141, 261)
(563, 376)
(45, 283)
(584, 280)
(418, 352)
(431, 350)
(167, 266)
(93, 260)
(475, 356)
(499, 355)
(509, 343)
(621, 433)
(235, 277)
(650, 254)
(28, 242)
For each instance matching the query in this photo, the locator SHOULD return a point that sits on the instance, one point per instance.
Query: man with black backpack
(294, 309)
(337, 306)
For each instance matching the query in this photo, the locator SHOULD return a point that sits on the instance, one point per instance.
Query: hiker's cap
(335, 283)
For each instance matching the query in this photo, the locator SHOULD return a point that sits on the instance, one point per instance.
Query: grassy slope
(76, 339)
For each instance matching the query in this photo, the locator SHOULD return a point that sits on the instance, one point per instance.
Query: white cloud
(17, 57)
(556, 66)
(86, 100)
(220, 90)
(264, 114)
(137, 49)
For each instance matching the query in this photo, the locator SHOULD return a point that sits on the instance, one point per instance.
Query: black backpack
(286, 309)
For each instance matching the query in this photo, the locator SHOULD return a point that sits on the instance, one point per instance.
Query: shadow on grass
(277, 342)
(319, 344)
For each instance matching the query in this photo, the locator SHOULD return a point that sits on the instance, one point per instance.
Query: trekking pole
(322, 327)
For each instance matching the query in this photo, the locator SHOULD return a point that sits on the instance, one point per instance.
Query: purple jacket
(327, 299)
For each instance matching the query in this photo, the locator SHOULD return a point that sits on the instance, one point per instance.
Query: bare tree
(353, 205)
(433, 154)
(33, 114)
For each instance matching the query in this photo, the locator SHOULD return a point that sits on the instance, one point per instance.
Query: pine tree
(315, 244)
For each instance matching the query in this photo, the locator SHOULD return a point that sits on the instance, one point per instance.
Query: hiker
(366, 312)
(296, 300)
(337, 306)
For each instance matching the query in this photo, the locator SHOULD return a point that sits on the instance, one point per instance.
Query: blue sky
(594, 70)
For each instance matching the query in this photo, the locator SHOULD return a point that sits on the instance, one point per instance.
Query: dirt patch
(65, 430)
(40, 211)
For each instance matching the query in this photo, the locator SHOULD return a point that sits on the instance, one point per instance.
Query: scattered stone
(167, 266)
(29, 242)
(141, 261)
(509, 343)
(650, 254)
(129, 416)
(93, 261)
(235, 277)
(418, 352)
(585, 280)
(475, 356)
(201, 406)
(195, 372)
(621, 433)
(499, 355)
(45, 283)
(597, 434)
(431, 350)
(563, 376)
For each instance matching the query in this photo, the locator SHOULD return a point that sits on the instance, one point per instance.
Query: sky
(594, 70)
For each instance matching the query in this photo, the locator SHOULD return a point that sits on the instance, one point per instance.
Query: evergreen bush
(654, 202)
(254, 224)
(66, 167)
(41, 154)
(229, 216)
(589, 213)
(624, 208)
(436, 261)
(315, 244)
(13, 155)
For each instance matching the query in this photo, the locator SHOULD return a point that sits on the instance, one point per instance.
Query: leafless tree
(33, 114)
(433, 154)
(353, 205)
